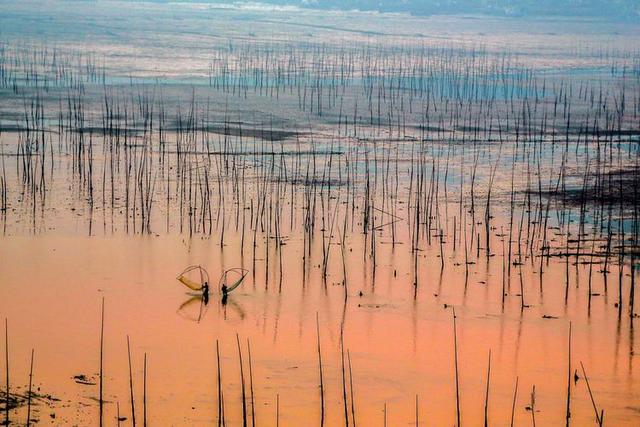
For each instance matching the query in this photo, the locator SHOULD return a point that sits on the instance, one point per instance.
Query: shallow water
(115, 212)
(399, 346)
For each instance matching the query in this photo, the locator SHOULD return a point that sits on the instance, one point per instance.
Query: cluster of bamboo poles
(426, 144)
(27, 65)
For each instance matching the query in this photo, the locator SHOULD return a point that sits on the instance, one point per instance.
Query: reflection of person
(225, 294)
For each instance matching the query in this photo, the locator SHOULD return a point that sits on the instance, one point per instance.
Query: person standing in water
(205, 292)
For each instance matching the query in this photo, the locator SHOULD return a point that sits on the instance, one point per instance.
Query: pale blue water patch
(442, 86)
(594, 71)
(118, 80)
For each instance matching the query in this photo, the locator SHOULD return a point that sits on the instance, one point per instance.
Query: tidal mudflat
(435, 218)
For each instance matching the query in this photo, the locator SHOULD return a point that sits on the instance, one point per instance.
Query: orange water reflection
(399, 347)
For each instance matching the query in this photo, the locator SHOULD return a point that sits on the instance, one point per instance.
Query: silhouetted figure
(205, 292)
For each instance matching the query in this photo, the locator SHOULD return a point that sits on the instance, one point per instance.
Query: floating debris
(83, 379)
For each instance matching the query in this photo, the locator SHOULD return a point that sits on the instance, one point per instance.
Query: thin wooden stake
(221, 421)
(455, 356)
(321, 376)
(344, 386)
(144, 392)
(568, 413)
(133, 408)
(101, 364)
(29, 393)
(253, 404)
(595, 408)
(353, 405)
(533, 405)
(486, 398)
(513, 406)
(6, 354)
(244, 397)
